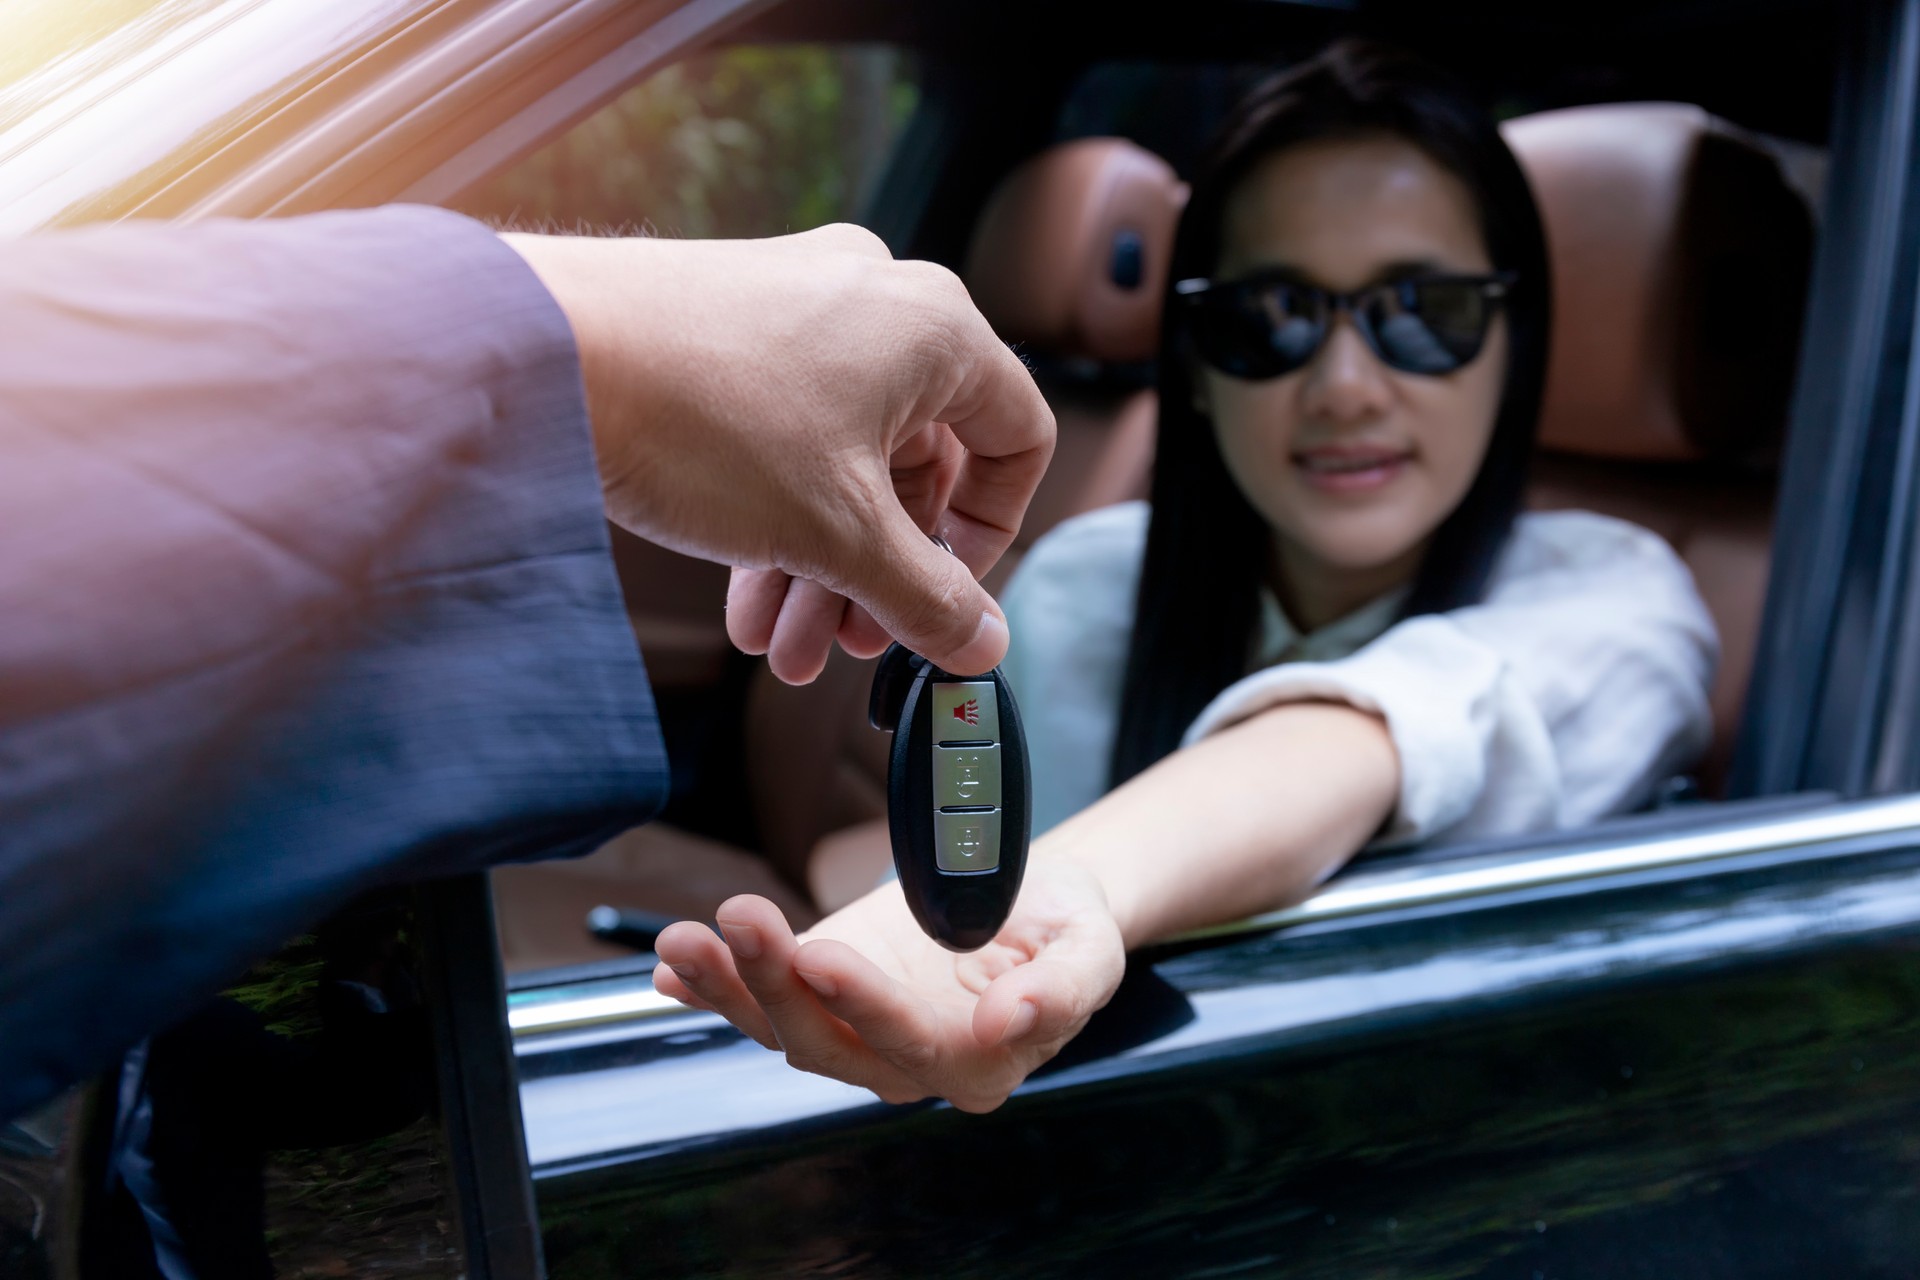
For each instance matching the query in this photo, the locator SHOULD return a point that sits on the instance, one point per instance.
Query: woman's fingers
(701, 965)
(929, 1053)
(888, 1019)
(814, 1040)
(749, 980)
(836, 1012)
(1036, 1004)
(1049, 998)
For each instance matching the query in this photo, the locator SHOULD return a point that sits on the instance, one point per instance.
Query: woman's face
(1353, 464)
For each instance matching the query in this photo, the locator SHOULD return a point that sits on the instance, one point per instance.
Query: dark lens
(1429, 326)
(1258, 330)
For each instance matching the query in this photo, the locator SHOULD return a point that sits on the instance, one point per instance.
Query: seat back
(1068, 261)
(1680, 257)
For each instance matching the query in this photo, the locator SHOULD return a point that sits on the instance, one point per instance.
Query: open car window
(754, 140)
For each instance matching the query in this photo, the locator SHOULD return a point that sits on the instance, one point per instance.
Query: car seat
(1680, 261)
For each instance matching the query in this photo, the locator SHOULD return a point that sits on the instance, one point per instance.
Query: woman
(1333, 627)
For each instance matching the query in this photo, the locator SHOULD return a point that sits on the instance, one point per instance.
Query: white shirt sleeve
(1571, 693)
(1069, 610)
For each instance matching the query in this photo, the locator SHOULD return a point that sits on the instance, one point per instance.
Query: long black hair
(1206, 545)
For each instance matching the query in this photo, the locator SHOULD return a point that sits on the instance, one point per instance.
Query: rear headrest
(1070, 253)
(1680, 259)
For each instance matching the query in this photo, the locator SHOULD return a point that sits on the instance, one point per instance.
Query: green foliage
(280, 988)
(751, 141)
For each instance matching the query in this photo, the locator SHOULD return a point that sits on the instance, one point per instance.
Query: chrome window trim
(325, 106)
(80, 132)
(586, 53)
(1368, 891)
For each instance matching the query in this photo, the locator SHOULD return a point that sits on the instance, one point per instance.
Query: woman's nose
(1345, 381)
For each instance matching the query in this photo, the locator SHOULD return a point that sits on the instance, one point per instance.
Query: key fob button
(964, 776)
(967, 841)
(966, 712)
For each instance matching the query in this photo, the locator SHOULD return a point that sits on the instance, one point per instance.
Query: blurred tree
(749, 141)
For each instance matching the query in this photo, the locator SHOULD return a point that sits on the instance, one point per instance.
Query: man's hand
(865, 997)
(807, 410)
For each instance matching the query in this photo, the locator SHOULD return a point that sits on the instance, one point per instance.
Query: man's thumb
(927, 599)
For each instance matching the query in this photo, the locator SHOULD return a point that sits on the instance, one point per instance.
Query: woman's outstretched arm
(1245, 820)
(1249, 818)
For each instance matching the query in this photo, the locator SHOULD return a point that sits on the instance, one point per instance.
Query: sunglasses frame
(1494, 286)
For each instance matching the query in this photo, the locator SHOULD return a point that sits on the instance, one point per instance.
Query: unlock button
(965, 776)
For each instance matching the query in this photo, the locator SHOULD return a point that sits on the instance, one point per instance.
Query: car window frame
(1830, 705)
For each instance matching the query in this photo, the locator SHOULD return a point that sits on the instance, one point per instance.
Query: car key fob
(959, 797)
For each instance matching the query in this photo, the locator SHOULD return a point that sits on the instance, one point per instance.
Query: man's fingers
(702, 965)
(1000, 417)
(927, 599)
(847, 236)
(754, 597)
(809, 618)
(860, 635)
(924, 467)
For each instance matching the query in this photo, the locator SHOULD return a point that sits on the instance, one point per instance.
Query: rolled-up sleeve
(1575, 690)
(305, 589)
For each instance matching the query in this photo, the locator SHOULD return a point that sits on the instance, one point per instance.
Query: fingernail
(985, 650)
(743, 938)
(685, 972)
(820, 982)
(1021, 1022)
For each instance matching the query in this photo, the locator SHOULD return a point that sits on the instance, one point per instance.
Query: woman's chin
(1365, 545)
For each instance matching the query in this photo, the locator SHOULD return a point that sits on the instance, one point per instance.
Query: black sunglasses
(1263, 326)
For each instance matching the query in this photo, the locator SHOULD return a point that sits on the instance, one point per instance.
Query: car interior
(1681, 245)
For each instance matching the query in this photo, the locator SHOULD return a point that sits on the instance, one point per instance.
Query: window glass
(38, 32)
(746, 141)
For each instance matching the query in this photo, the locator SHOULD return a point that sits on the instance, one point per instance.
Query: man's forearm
(306, 591)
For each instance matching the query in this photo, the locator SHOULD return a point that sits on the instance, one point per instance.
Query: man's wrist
(572, 269)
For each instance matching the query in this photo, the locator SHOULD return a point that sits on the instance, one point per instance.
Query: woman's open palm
(866, 997)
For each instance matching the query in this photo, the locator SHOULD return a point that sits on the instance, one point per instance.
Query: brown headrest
(1070, 254)
(1680, 259)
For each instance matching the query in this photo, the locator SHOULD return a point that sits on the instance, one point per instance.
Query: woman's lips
(1350, 469)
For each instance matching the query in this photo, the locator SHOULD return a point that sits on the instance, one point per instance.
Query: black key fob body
(959, 797)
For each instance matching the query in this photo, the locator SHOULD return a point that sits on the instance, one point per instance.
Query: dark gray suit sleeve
(304, 588)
